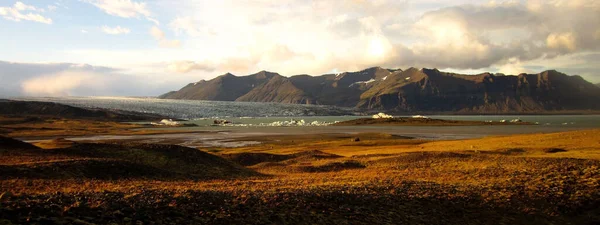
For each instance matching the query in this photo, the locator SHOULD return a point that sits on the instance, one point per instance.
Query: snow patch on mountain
(362, 82)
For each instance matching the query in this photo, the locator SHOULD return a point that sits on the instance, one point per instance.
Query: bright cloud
(115, 30)
(21, 11)
(562, 41)
(122, 8)
(60, 84)
(315, 37)
(125, 9)
(187, 66)
(159, 35)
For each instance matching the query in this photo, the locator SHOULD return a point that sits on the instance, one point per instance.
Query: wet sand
(227, 136)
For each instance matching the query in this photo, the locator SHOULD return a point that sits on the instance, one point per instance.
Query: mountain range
(410, 90)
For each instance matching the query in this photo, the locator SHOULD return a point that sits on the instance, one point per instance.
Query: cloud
(19, 12)
(496, 34)
(122, 8)
(60, 84)
(564, 41)
(315, 37)
(125, 9)
(155, 21)
(116, 30)
(187, 25)
(159, 35)
(32, 76)
(59, 79)
(187, 66)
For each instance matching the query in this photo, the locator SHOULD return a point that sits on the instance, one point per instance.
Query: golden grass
(583, 144)
(503, 179)
(44, 127)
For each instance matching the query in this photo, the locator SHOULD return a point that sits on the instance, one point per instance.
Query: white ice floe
(166, 122)
(420, 117)
(382, 116)
(284, 123)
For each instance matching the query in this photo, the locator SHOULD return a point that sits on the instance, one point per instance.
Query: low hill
(9, 143)
(114, 161)
(411, 90)
(51, 109)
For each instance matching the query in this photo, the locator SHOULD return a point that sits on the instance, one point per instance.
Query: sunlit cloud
(122, 8)
(20, 11)
(159, 35)
(115, 30)
(60, 84)
(200, 39)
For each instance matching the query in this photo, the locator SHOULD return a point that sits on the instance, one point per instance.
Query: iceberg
(382, 116)
(166, 122)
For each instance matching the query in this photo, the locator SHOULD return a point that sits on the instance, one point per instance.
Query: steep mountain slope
(425, 90)
(345, 88)
(277, 89)
(432, 90)
(226, 87)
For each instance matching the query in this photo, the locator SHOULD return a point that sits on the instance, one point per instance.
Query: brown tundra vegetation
(312, 179)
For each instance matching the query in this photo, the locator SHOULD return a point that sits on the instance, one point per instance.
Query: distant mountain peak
(228, 74)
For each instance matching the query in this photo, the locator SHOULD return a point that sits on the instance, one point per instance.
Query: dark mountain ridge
(56, 110)
(411, 90)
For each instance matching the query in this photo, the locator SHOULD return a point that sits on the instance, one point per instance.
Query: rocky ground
(366, 179)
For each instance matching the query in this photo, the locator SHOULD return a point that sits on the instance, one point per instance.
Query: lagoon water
(255, 118)
(190, 109)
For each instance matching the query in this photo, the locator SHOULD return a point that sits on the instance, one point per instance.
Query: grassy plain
(40, 127)
(368, 178)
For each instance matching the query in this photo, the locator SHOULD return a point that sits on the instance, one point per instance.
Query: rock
(554, 150)
(356, 139)
(219, 121)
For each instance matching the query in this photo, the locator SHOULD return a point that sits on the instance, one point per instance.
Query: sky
(149, 47)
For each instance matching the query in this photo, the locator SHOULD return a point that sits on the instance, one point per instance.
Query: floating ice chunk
(166, 122)
(382, 116)
(420, 117)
